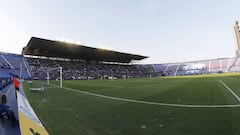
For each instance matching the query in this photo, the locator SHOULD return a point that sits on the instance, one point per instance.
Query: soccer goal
(47, 77)
(54, 74)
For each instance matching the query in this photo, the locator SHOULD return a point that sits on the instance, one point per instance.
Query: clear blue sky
(164, 30)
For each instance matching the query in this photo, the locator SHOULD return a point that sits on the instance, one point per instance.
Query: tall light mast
(237, 34)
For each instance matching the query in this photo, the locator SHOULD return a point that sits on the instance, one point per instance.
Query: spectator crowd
(80, 69)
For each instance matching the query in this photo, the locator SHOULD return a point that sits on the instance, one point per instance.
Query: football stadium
(74, 89)
(57, 87)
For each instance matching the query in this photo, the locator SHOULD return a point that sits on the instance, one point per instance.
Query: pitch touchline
(150, 103)
(234, 94)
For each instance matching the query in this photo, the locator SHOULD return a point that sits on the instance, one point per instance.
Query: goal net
(54, 76)
(48, 77)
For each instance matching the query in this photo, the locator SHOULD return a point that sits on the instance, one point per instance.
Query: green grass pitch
(141, 106)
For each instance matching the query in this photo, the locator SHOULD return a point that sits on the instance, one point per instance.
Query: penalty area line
(151, 103)
(234, 94)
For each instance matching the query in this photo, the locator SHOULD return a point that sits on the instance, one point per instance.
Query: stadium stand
(81, 70)
(235, 65)
(92, 70)
(81, 62)
(198, 67)
(13, 64)
(58, 49)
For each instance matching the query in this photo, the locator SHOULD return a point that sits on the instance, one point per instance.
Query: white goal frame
(60, 75)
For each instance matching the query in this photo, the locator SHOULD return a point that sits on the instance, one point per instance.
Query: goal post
(43, 77)
(60, 75)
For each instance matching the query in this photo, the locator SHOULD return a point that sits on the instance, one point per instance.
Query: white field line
(234, 94)
(150, 103)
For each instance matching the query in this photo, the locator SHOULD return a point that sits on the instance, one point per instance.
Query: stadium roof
(49, 48)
